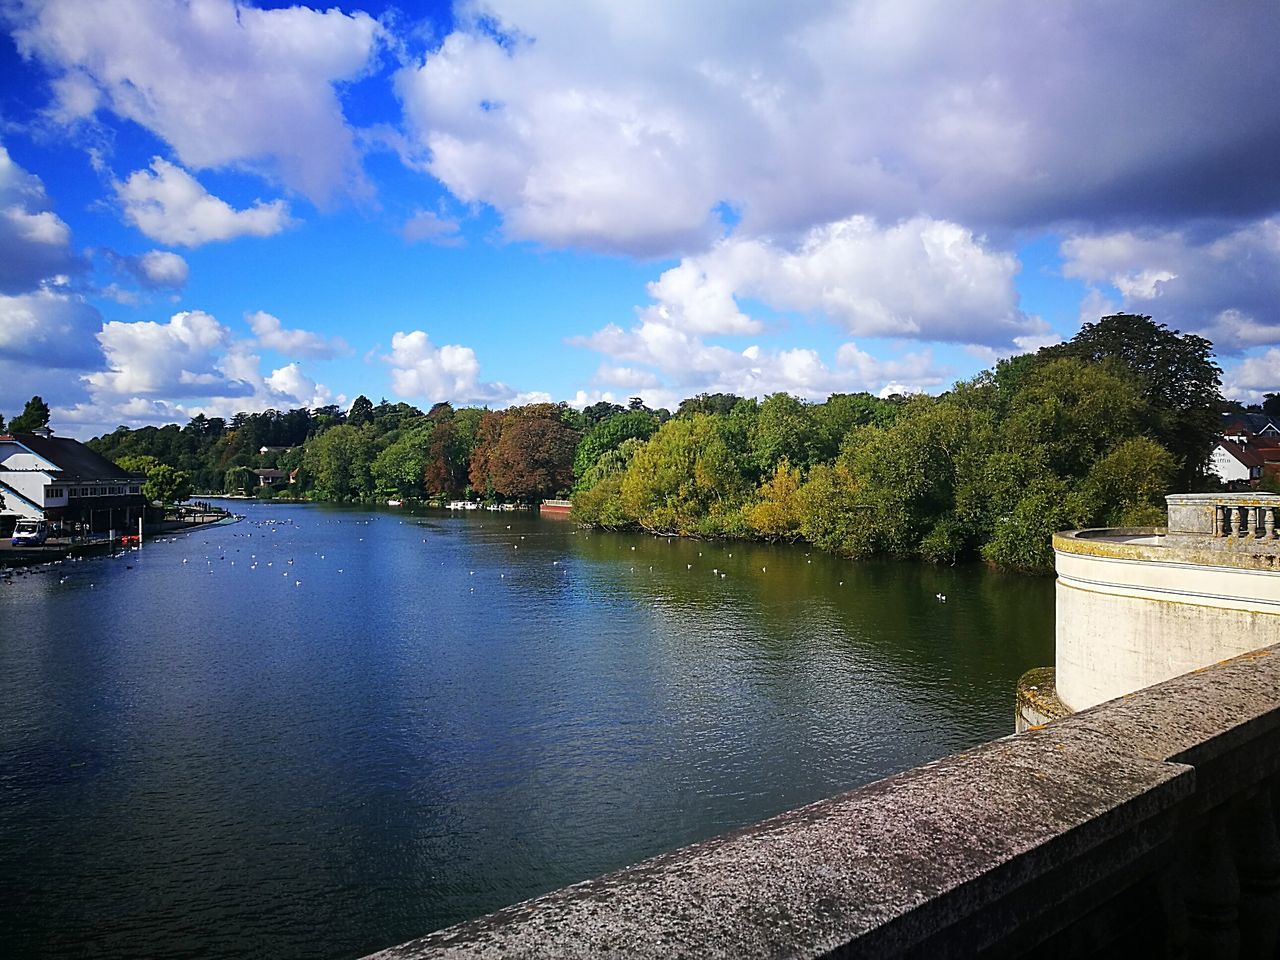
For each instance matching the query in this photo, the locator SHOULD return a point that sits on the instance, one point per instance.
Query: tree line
(1094, 431)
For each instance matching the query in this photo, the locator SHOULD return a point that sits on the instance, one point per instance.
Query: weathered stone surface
(1005, 846)
(1036, 699)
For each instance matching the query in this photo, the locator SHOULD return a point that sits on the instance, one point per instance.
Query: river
(322, 731)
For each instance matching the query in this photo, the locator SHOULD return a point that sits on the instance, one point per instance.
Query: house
(60, 480)
(1241, 426)
(267, 477)
(1236, 463)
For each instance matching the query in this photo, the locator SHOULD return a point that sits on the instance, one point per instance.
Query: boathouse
(60, 480)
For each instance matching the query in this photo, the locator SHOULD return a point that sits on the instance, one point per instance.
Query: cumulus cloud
(923, 279)
(1224, 286)
(683, 364)
(154, 270)
(167, 372)
(421, 369)
(592, 124)
(1253, 377)
(35, 242)
(179, 356)
(49, 328)
(224, 84)
(271, 333)
(169, 205)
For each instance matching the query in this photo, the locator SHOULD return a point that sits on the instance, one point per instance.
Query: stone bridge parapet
(1145, 826)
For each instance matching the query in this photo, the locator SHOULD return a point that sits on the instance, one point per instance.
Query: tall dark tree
(34, 416)
(1271, 404)
(361, 411)
(1175, 373)
(707, 403)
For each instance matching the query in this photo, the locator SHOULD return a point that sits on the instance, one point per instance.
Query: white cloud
(1224, 286)
(451, 372)
(170, 205)
(622, 128)
(49, 329)
(168, 372)
(160, 268)
(1253, 377)
(224, 84)
(686, 364)
(625, 377)
(271, 333)
(178, 357)
(35, 243)
(425, 226)
(922, 278)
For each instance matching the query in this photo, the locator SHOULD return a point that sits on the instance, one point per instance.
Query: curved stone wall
(1135, 608)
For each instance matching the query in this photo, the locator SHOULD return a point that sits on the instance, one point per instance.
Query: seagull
(941, 597)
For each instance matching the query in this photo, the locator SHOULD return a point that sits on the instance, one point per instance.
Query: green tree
(609, 434)
(34, 416)
(400, 468)
(239, 480)
(1270, 405)
(338, 461)
(776, 514)
(361, 411)
(783, 429)
(137, 463)
(690, 477)
(166, 485)
(1175, 374)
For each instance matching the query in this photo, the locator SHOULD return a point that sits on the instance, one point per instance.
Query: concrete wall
(1130, 614)
(1145, 827)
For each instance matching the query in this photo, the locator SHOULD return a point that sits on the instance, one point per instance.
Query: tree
(535, 459)
(166, 485)
(400, 468)
(783, 430)
(609, 434)
(240, 479)
(1270, 405)
(707, 403)
(338, 462)
(137, 463)
(361, 411)
(1175, 373)
(34, 416)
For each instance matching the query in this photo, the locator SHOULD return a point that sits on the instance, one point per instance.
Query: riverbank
(63, 548)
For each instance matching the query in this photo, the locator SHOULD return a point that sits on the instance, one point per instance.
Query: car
(28, 533)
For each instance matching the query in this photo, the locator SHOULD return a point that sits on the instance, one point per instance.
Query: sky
(209, 206)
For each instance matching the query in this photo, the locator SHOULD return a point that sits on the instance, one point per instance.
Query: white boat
(395, 503)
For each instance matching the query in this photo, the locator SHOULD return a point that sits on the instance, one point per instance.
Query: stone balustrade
(1145, 826)
(1239, 517)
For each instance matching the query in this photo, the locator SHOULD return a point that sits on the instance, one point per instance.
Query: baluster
(1258, 861)
(1213, 893)
(1222, 516)
(1269, 523)
(1242, 521)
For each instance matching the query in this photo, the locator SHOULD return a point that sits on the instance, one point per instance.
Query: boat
(395, 503)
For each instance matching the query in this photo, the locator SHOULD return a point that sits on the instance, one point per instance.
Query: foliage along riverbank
(1094, 431)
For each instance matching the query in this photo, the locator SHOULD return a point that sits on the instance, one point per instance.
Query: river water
(322, 731)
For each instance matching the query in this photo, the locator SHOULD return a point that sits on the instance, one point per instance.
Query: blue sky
(211, 207)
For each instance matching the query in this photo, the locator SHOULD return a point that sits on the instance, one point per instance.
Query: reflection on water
(323, 731)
